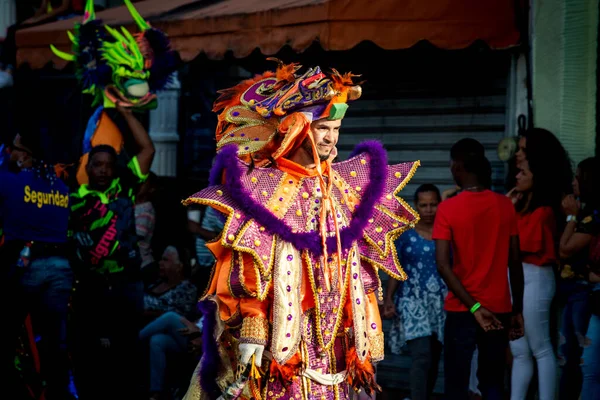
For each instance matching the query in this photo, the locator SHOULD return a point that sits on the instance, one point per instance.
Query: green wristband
(475, 307)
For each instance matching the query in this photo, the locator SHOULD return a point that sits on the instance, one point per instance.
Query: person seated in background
(176, 327)
(173, 291)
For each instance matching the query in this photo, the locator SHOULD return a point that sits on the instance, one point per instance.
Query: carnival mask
(117, 67)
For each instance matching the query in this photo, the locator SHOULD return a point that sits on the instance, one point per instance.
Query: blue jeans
(591, 360)
(164, 338)
(575, 319)
(46, 286)
(462, 334)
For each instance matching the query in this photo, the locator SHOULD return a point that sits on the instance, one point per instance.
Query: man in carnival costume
(121, 70)
(295, 284)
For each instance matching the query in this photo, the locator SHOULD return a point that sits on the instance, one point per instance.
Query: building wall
(564, 57)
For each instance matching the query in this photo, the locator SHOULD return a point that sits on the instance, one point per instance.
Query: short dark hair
(427, 187)
(465, 149)
(102, 148)
(471, 154)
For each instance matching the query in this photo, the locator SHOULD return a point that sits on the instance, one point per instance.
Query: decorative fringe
(210, 364)
(360, 374)
(285, 373)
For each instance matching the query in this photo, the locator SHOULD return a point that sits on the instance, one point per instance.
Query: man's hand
(570, 205)
(517, 327)
(389, 310)
(514, 196)
(487, 320)
(247, 350)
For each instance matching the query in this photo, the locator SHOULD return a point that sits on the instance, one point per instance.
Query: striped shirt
(211, 221)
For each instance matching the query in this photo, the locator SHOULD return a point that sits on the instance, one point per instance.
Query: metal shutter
(422, 123)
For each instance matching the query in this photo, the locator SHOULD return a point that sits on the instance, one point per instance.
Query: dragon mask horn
(139, 20)
(62, 54)
(90, 13)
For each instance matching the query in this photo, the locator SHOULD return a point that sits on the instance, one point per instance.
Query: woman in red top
(537, 233)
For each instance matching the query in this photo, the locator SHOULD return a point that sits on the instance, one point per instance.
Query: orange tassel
(360, 373)
(285, 373)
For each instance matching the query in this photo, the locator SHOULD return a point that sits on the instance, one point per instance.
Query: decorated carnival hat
(269, 116)
(117, 67)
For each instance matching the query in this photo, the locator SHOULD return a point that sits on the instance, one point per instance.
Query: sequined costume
(298, 259)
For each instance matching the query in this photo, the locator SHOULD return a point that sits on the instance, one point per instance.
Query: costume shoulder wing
(371, 192)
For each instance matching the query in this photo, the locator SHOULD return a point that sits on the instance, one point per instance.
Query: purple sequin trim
(227, 158)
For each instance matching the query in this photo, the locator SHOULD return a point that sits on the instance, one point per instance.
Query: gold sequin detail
(271, 174)
(305, 195)
(363, 161)
(353, 173)
(254, 179)
(257, 242)
(376, 348)
(254, 330)
(398, 175)
(395, 225)
(358, 188)
(264, 193)
(238, 216)
(389, 197)
(371, 220)
(265, 258)
(299, 213)
(378, 229)
(286, 190)
(219, 192)
(380, 243)
(231, 238)
(262, 229)
(276, 208)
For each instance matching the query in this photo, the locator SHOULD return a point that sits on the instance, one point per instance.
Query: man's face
(325, 133)
(101, 170)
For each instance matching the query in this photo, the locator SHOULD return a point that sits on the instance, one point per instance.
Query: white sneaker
(6, 79)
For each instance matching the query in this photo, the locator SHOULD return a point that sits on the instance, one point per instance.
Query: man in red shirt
(481, 228)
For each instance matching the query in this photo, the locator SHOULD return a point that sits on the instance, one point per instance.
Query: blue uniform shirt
(33, 208)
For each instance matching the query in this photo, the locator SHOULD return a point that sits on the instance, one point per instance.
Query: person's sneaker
(6, 79)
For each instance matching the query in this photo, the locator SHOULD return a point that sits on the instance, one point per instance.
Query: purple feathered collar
(227, 159)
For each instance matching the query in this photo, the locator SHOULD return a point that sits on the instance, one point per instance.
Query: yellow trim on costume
(339, 314)
(254, 330)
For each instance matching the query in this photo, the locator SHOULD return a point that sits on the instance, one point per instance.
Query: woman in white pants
(537, 233)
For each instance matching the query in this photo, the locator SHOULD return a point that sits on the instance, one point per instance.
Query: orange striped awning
(240, 26)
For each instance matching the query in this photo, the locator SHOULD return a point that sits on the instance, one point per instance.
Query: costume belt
(325, 379)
